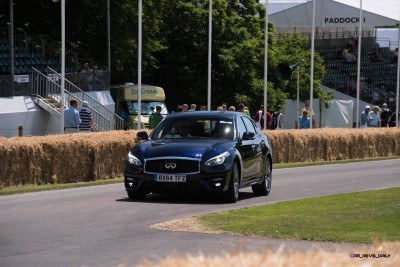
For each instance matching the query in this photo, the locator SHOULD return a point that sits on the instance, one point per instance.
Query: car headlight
(217, 160)
(133, 160)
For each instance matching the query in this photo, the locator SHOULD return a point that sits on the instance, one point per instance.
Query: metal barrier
(48, 88)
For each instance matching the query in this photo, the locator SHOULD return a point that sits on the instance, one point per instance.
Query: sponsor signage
(343, 20)
(53, 77)
(21, 78)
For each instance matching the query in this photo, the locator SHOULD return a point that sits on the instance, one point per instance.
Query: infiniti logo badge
(170, 165)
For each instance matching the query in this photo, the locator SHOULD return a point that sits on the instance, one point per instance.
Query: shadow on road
(186, 198)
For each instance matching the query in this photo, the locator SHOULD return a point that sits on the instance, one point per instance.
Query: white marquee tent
(336, 15)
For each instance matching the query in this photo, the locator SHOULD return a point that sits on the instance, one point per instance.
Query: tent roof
(338, 13)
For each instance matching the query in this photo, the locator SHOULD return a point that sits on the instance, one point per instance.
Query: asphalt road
(99, 226)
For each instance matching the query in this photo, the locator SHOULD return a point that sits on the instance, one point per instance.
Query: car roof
(202, 114)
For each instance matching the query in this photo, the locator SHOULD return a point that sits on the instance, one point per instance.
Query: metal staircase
(46, 91)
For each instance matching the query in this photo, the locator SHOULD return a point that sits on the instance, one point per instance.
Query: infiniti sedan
(204, 151)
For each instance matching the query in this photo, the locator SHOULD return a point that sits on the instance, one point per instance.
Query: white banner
(21, 78)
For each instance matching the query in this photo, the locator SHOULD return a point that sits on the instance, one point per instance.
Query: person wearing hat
(365, 117)
(86, 118)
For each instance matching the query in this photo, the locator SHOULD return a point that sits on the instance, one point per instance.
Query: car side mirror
(248, 136)
(143, 136)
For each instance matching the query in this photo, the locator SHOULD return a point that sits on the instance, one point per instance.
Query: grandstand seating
(340, 75)
(24, 60)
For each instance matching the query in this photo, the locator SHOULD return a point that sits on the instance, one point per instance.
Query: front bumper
(202, 182)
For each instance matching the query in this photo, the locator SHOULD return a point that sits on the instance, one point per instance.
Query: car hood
(182, 148)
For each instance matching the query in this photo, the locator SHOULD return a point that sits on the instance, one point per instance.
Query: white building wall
(22, 111)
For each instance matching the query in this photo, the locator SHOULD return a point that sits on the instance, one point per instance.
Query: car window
(241, 127)
(249, 125)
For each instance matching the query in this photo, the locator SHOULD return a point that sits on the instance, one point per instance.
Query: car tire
(136, 195)
(264, 188)
(232, 194)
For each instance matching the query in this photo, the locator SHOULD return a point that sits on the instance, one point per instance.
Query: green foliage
(175, 46)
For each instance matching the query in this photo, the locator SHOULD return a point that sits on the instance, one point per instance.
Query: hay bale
(93, 156)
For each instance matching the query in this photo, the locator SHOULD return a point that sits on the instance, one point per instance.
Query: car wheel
(232, 194)
(264, 188)
(136, 195)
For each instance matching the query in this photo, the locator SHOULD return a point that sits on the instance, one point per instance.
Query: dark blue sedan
(209, 151)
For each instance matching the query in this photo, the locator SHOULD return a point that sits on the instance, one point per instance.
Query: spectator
(383, 94)
(349, 57)
(86, 118)
(392, 117)
(304, 120)
(259, 119)
(395, 57)
(72, 118)
(246, 111)
(192, 107)
(385, 114)
(203, 108)
(376, 55)
(223, 106)
(220, 108)
(374, 114)
(155, 118)
(185, 108)
(352, 43)
(231, 108)
(179, 108)
(241, 108)
(310, 113)
(277, 119)
(365, 117)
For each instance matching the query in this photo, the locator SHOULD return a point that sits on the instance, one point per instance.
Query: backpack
(275, 118)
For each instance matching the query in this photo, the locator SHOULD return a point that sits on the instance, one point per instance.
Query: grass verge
(36, 188)
(363, 217)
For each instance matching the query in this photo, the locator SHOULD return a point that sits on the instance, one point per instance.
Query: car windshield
(186, 127)
(147, 107)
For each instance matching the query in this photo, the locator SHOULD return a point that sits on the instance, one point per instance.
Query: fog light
(217, 184)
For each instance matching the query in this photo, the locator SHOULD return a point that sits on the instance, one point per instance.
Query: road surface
(99, 226)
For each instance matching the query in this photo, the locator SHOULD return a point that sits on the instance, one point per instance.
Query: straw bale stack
(384, 254)
(63, 158)
(94, 156)
(333, 144)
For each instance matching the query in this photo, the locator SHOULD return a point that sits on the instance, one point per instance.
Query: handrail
(44, 87)
(93, 103)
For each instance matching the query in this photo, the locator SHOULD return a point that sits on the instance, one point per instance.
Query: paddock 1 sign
(343, 20)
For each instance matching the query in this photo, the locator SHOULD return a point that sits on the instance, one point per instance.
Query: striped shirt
(86, 118)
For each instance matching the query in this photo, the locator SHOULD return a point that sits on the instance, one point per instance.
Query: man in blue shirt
(72, 118)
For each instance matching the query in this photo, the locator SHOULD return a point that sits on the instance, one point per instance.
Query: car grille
(172, 165)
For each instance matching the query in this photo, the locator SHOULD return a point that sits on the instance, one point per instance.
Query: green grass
(362, 217)
(35, 188)
(318, 163)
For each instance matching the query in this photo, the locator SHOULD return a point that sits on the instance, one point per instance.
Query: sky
(386, 8)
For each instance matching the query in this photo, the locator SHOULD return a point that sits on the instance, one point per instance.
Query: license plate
(175, 178)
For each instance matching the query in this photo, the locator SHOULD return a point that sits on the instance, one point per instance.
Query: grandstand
(341, 75)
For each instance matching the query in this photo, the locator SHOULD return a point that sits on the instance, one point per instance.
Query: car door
(255, 151)
(244, 147)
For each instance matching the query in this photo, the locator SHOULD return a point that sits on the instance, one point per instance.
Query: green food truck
(126, 103)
